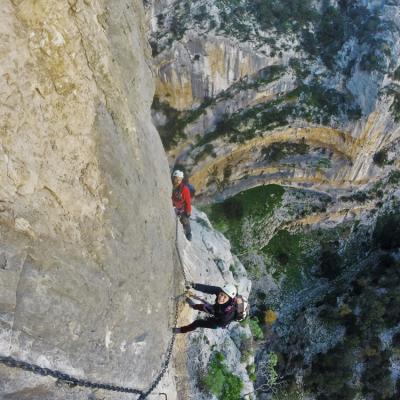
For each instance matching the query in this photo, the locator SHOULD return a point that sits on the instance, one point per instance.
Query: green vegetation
(359, 197)
(251, 371)
(290, 255)
(387, 231)
(276, 151)
(395, 107)
(334, 371)
(290, 392)
(380, 158)
(284, 15)
(323, 33)
(173, 130)
(220, 381)
(373, 292)
(256, 204)
(364, 304)
(324, 163)
(255, 328)
(262, 77)
(243, 219)
(394, 177)
(302, 257)
(396, 74)
(272, 375)
(311, 102)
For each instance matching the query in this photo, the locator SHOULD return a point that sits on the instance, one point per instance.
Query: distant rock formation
(231, 80)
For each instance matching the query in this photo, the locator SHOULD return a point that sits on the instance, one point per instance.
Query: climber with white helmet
(181, 200)
(222, 312)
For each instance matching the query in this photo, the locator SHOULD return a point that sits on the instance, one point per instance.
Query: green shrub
(394, 177)
(220, 381)
(276, 151)
(256, 330)
(330, 264)
(380, 158)
(395, 107)
(283, 15)
(172, 131)
(396, 74)
(387, 231)
(331, 34)
(329, 373)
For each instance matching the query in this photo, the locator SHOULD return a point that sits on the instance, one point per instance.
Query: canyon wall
(86, 226)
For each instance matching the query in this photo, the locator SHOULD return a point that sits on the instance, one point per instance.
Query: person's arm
(186, 198)
(207, 288)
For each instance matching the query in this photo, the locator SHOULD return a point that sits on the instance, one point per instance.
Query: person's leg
(186, 226)
(198, 307)
(205, 307)
(210, 323)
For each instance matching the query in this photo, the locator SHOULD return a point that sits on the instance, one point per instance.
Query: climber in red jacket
(182, 202)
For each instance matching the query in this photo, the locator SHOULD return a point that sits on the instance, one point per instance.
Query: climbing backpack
(192, 189)
(242, 308)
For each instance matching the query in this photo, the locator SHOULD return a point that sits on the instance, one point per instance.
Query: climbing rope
(73, 381)
(179, 253)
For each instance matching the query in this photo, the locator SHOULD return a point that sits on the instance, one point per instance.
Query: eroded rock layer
(235, 77)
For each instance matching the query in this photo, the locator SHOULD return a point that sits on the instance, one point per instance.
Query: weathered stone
(86, 221)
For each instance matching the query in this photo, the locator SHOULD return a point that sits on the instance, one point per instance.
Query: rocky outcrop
(215, 71)
(87, 233)
(208, 259)
(194, 69)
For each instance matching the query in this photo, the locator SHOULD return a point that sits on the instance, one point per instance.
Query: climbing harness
(73, 381)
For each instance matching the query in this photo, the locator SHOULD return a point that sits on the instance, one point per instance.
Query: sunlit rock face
(198, 68)
(227, 84)
(86, 227)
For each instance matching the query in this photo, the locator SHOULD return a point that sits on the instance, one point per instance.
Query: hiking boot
(189, 237)
(176, 330)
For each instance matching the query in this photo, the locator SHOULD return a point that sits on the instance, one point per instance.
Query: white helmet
(177, 173)
(230, 290)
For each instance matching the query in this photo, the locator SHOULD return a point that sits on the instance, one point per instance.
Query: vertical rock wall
(87, 233)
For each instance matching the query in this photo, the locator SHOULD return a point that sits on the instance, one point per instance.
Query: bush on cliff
(220, 381)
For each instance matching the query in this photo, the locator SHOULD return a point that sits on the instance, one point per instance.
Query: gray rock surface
(86, 226)
(208, 259)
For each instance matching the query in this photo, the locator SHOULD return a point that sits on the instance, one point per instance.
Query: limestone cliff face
(231, 81)
(86, 227)
(197, 67)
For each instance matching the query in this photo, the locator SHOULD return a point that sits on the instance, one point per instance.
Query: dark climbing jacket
(181, 199)
(224, 313)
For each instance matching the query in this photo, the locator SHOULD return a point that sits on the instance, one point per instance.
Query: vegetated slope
(329, 267)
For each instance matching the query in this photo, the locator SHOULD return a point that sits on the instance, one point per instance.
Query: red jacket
(181, 199)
